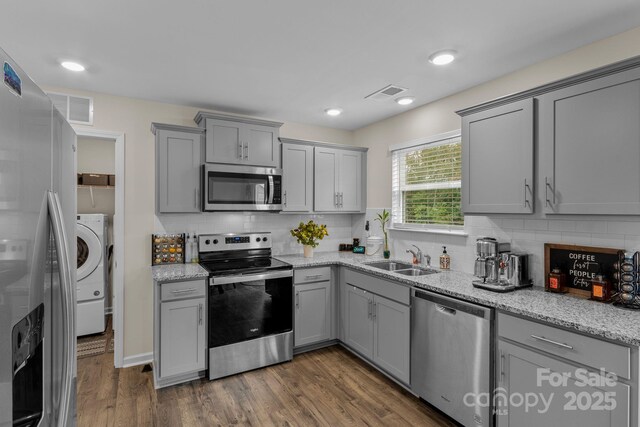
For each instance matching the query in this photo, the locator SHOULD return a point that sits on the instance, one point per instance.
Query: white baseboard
(137, 359)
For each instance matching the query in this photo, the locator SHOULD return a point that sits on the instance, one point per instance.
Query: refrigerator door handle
(67, 304)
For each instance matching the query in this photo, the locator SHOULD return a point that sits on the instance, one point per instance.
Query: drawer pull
(183, 291)
(547, 340)
(315, 276)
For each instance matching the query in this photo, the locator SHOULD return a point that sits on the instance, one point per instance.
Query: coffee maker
(497, 268)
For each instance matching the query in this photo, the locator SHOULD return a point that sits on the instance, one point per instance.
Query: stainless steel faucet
(420, 256)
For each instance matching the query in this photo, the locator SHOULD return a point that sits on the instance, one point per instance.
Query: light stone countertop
(171, 272)
(595, 318)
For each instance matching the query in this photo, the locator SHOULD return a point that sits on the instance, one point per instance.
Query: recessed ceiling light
(333, 111)
(443, 57)
(72, 66)
(405, 100)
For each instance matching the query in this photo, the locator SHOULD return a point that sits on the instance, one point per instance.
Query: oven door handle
(224, 280)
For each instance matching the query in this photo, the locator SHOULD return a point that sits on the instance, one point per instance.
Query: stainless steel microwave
(241, 188)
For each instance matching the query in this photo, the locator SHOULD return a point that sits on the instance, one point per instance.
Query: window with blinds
(426, 185)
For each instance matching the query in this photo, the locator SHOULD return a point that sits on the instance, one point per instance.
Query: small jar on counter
(556, 282)
(601, 288)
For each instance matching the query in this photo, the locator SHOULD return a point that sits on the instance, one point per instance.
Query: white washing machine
(92, 273)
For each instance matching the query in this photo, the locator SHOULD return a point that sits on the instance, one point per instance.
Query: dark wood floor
(328, 387)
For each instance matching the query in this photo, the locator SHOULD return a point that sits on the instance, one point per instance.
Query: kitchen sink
(390, 265)
(416, 272)
(403, 268)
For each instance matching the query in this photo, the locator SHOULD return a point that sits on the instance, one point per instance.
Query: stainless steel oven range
(250, 300)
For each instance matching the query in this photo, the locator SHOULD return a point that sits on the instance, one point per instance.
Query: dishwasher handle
(451, 305)
(445, 310)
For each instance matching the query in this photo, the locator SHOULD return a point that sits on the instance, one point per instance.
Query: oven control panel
(233, 241)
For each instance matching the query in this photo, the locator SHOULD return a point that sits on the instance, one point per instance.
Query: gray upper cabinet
(325, 180)
(586, 130)
(178, 160)
(224, 143)
(240, 140)
(350, 180)
(590, 146)
(297, 177)
(498, 159)
(262, 147)
(338, 180)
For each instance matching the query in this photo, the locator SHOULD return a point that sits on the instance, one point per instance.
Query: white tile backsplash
(525, 235)
(339, 226)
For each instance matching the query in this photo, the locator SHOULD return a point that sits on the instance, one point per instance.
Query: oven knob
(257, 239)
(264, 239)
(207, 242)
(215, 241)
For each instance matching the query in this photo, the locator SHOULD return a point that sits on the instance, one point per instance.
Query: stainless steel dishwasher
(451, 352)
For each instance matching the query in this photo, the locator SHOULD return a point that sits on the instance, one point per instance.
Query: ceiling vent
(76, 109)
(388, 92)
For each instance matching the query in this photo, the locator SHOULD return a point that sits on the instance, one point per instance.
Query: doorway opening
(100, 229)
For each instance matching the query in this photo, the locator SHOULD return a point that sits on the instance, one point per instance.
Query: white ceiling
(290, 59)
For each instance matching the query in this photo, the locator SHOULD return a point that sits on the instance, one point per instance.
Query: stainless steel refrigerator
(37, 256)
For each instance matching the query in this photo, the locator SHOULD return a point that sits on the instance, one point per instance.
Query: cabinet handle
(527, 187)
(240, 150)
(375, 310)
(370, 308)
(284, 198)
(183, 291)
(246, 151)
(335, 199)
(547, 340)
(315, 276)
(297, 299)
(501, 367)
(200, 314)
(547, 186)
(341, 198)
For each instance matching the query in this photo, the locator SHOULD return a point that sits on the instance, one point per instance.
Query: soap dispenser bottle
(187, 249)
(445, 259)
(194, 249)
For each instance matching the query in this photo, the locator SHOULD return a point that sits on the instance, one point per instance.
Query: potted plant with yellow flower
(309, 235)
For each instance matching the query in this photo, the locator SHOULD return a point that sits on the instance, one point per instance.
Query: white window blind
(426, 185)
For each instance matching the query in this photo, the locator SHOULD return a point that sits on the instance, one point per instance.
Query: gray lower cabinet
(379, 329)
(180, 340)
(392, 337)
(178, 161)
(589, 137)
(358, 321)
(240, 140)
(497, 159)
(573, 403)
(313, 313)
(569, 379)
(297, 177)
